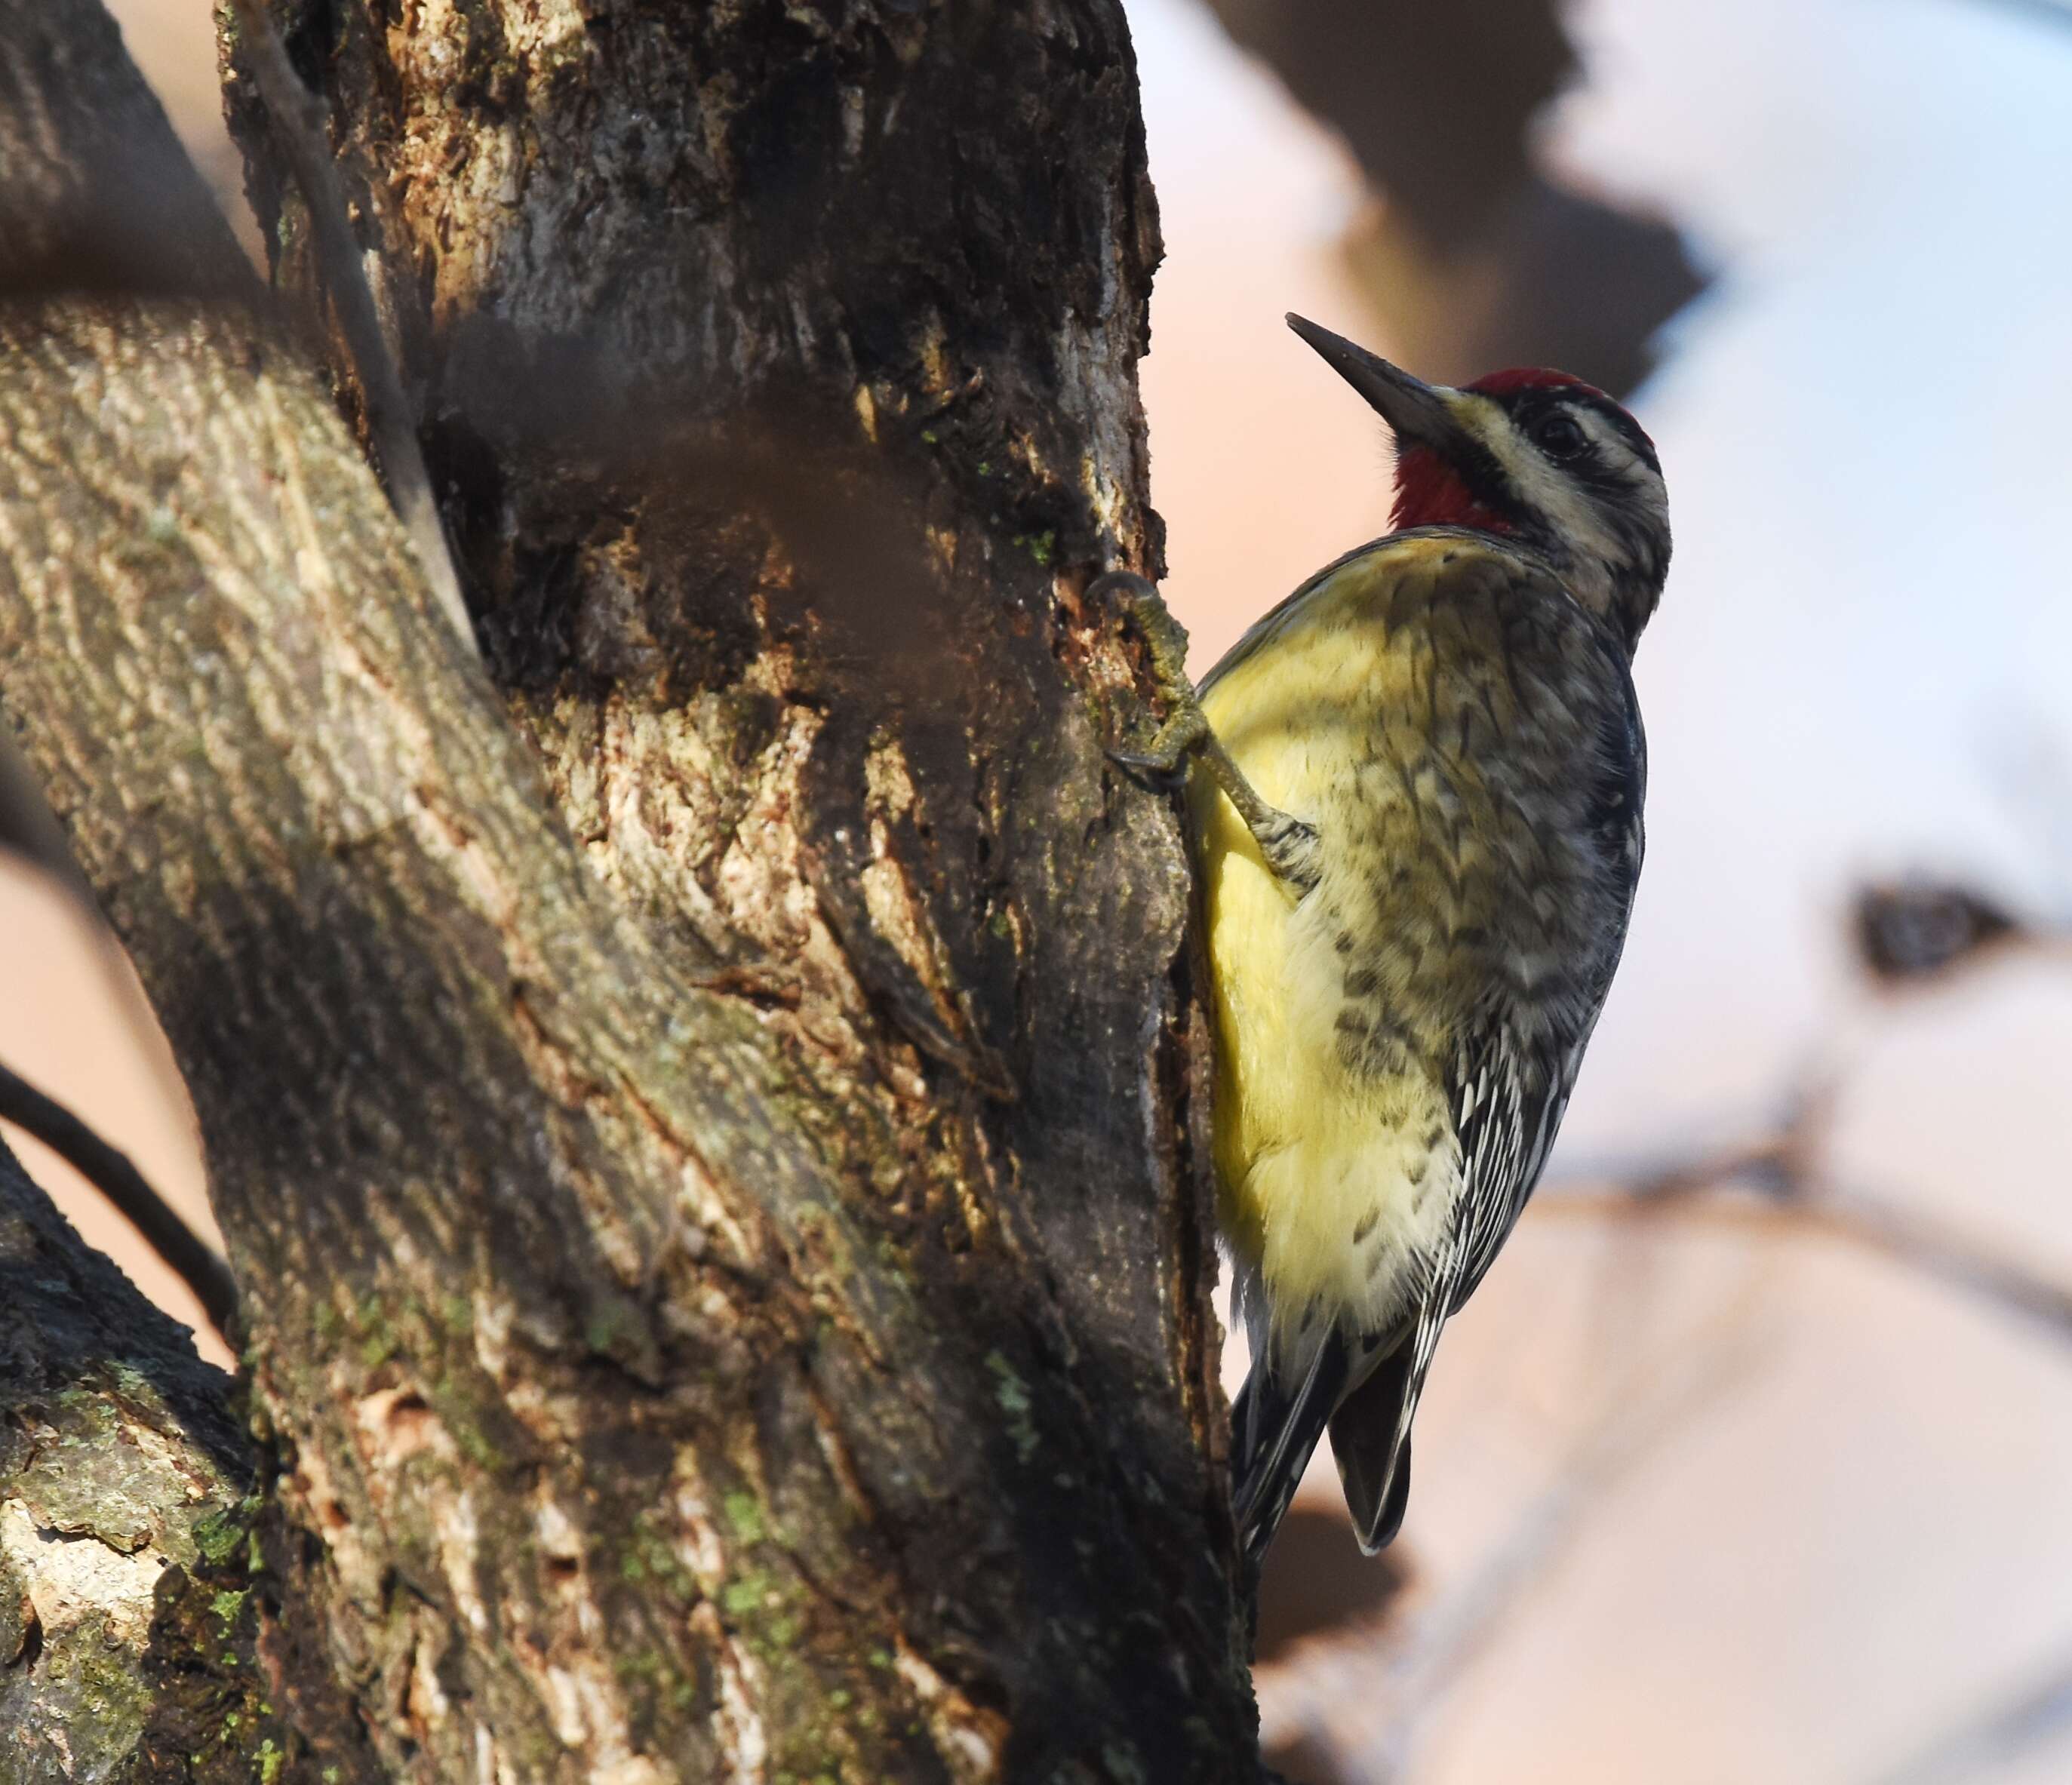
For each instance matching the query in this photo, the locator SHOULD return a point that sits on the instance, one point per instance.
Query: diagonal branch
(297, 115)
(1930, 1246)
(2011, 1729)
(1368, 1696)
(122, 1476)
(110, 1171)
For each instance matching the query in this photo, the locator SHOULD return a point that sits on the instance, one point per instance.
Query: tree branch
(122, 1477)
(1998, 1737)
(1933, 1248)
(109, 1170)
(734, 1290)
(1367, 1696)
(298, 118)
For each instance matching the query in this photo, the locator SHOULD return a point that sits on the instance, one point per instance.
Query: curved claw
(1289, 844)
(1164, 638)
(1174, 741)
(1124, 583)
(1165, 769)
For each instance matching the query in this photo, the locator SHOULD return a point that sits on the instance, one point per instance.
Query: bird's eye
(1559, 437)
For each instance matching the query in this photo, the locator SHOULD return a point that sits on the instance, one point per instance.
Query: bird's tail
(1371, 1441)
(1365, 1390)
(1370, 1427)
(1280, 1416)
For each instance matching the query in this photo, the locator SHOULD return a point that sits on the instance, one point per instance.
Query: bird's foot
(1287, 843)
(1166, 753)
(1184, 729)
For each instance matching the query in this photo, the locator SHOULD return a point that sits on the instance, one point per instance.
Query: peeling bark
(699, 1111)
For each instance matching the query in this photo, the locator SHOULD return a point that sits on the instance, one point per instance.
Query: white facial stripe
(1611, 444)
(1615, 451)
(1598, 553)
(1546, 490)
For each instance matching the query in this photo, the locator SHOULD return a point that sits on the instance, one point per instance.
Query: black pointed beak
(1419, 413)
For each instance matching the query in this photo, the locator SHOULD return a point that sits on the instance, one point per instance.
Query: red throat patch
(1429, 493)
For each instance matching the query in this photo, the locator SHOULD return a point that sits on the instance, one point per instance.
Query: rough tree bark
(123, 1587)
(699, 1108)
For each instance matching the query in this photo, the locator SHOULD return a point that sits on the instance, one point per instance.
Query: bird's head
(1538, 456)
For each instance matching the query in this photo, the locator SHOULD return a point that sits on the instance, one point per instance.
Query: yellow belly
(1335, 1183)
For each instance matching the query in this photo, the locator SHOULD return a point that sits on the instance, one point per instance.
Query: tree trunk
(701, 1108)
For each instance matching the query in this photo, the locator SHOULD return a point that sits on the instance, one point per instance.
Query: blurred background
(1753, 1459)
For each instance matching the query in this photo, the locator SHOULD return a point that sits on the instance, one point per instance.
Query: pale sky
(1862, 653)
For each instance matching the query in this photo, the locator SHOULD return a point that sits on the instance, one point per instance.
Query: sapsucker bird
(1416, 818)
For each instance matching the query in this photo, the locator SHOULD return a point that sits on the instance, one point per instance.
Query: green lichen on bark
(120, 1464)
(211, 1722)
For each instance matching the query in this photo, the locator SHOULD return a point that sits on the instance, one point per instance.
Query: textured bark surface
(126, 1608)
(124, 1622)
(701, 1117)
(94, 191)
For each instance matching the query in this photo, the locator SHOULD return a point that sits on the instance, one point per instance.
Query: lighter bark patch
(738, 1723)
(460, 1544)
(547, 29)
(560, 1541)
(396, 1424)
(428, 1705)
(969, 1739)
(491, 1767)
(898, 909)
(698, 1545)
(70, 1579)
(312, 1500)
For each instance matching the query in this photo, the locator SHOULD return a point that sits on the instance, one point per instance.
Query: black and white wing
(1507, 1089)
(1505, 1123)
(1511, 1082)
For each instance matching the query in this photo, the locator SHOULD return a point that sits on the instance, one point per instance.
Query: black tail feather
(1276, 1427)
(1374, 1471)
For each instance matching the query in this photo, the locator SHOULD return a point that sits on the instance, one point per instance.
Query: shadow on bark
(700, 1107)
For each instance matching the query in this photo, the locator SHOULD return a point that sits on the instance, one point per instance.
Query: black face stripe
(1533, 404)
(1483, 473)
(1635, 560)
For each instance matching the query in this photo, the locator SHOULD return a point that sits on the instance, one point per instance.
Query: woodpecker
(1414, 807)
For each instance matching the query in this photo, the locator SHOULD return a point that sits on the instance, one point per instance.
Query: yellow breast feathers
(1335, 1150)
